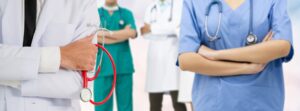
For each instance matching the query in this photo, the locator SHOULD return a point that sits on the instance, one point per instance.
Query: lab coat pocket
(58, 34)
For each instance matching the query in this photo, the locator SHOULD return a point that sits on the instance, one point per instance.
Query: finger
(267, 36)
(128, 27)
(271, 36)
(90, 37)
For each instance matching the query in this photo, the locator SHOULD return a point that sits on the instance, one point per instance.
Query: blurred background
(139, 50)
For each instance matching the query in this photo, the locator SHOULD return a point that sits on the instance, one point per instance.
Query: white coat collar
(13, 31)
(46, 15)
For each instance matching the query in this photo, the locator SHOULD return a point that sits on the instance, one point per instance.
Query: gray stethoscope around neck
(171, 12)
(251, 38)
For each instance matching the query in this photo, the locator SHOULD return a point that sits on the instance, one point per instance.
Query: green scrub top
(120, 51)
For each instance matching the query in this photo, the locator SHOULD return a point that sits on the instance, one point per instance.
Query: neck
(111, 4)
(111, 8)
(162, 0)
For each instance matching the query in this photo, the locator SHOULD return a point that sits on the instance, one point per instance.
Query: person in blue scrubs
(230, 75)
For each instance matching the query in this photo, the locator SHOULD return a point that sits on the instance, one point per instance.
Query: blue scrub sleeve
(189, 38)
(281, 25)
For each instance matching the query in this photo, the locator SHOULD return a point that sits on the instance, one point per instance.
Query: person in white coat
(43, 46)
(161, 27)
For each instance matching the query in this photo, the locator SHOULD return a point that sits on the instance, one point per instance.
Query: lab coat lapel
(46, 15)
(11, 19)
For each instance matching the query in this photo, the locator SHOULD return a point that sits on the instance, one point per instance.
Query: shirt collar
(108, 8)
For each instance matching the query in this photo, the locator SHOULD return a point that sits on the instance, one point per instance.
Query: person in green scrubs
(121, 22)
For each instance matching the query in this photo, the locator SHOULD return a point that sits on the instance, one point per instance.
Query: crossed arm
(261, 53)
(245, 60)
(117, 36)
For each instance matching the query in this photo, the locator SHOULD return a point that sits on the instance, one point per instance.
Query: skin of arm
(145, 29)
(261, 53)
(117, 36)
(196, 63)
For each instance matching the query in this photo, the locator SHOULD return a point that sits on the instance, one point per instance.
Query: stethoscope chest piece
(121, 22)
(251, 39)
(86, 95)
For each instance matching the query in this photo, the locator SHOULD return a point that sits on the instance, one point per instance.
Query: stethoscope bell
(86, 95)
(251, 39)
(121, 22)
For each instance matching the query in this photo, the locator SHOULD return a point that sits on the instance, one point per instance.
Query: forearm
(122, 35)
(19, 63)
(64, 84)
(110, 40)
(259, 53)
(196, 63)
(116, 36)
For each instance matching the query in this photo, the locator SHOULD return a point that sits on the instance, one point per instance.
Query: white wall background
(139, 51)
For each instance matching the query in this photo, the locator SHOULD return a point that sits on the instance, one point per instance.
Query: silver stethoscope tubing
(250, 39)
(220, 9)
(96, 32)
(155, 8)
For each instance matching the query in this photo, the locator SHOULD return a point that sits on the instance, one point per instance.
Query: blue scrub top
(260, 92)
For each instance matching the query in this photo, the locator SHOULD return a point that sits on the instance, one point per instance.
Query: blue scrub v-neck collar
(228, 7)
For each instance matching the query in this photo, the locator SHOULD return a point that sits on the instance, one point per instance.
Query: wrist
(63, 62)
(245, 68)
(216, 55)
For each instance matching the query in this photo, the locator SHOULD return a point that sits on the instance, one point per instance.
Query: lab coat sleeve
(50, 60)
(190, 37)
(65, 84)
(281, 25)
(90, 17)
(19, 63)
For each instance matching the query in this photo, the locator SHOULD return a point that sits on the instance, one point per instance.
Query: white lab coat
(185, 86)
(60, 22)
(162, 72)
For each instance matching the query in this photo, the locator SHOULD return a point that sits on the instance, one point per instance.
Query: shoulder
(126, 11)
(80, 4)
(100, 9)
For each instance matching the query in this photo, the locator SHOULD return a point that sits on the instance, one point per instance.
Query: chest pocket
(58, 34)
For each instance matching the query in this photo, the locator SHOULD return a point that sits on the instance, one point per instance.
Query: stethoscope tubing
(220, 9)
(86, 79)
(155, 8)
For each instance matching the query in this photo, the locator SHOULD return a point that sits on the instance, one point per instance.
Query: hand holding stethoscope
(86, 93)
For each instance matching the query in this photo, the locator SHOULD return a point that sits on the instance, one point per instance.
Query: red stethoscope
(86, 93)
